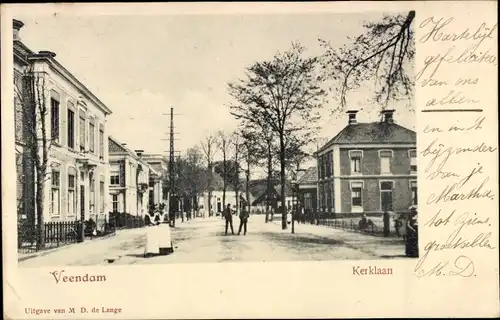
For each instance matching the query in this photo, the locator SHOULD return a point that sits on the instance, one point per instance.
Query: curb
(49, 251)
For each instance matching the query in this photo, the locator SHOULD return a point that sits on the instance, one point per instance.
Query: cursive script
(456, 240)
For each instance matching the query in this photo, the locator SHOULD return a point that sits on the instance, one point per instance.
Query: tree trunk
(283, 180)
(237, 183)
(269, 175)
(248, 185)
(224, 175)
(40, 197)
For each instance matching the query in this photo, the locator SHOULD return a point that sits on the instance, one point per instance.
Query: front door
(386, 196)
(82, 202)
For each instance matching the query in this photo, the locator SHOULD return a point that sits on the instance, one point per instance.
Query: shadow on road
(301, 239)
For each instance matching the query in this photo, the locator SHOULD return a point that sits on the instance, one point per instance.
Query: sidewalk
(89, 252)
(379, 246)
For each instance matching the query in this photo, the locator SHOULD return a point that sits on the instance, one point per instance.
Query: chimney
(139, 152)
(388, 115)
(352, 116)
(17, 25)
(46, 53)
(124, 144)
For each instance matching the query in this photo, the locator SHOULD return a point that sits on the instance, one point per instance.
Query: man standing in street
(229, 217)
(243, 221)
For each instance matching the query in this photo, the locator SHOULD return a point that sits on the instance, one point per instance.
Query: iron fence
(55, 234)
(373, 225)
(60, 233)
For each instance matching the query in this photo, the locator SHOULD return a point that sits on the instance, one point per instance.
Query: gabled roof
(310, 176)
(373, 133)
(114, 146)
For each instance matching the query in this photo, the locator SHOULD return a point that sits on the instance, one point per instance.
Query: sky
(141, 66)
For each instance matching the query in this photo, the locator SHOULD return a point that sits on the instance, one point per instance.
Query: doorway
(82, 202)
(386, 195)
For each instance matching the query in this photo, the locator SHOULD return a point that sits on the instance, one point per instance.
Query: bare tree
(237, 144)
(223, 141)
(282, 95)
(193, 159)
(31, 92)
(208, 147)
(262, 146)
(384, 53)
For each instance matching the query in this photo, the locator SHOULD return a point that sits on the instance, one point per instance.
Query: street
(203, 240)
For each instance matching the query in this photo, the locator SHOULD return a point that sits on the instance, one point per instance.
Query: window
(101, 195)
(114, 176)
(82, 133)
(92, 195)
(325, 165)
(413, 161)
(356, 194)
(414, 193)
(54, 119)
(386, 195)
(322, 196)
(71, 129)
(385, 161)
(54, 195)
(91, 137)
(329, 196)
(71, 194)
(114, 201)
(329, 158)
(356, 156)
(101, 142)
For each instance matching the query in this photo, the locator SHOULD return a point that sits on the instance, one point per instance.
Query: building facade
(368, 168)
(25, 174)
(128, 179)
(71, 121)
(308, 190)
(158, 172)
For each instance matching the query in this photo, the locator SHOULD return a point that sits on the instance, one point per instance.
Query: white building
(77, 185)
(128, 179)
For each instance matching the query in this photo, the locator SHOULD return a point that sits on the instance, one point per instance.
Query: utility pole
(171, 172)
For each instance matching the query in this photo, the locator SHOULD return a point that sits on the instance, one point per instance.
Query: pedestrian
(412, 233)
(229, 217)
(243, 221)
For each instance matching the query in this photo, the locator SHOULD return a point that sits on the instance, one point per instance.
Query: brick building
(308, 189)
(128, 179)
(368, 168)
(76, 186)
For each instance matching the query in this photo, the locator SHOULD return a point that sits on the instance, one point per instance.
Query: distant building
(128, 179)
(216, 201)
(76, 187)
(159, 170)
(368, 168)
(308, 189)
(262, 194)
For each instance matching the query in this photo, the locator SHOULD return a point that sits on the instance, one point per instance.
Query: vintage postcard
(250, 160)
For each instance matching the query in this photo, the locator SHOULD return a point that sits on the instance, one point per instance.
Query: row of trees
(278, 101)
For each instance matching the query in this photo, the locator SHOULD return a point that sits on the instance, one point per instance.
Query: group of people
(228, 216)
